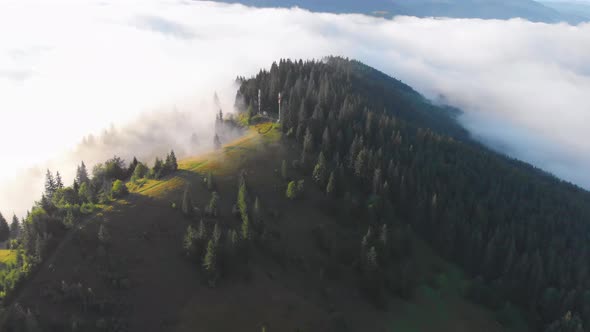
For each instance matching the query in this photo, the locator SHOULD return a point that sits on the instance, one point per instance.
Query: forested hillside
(367, 139)
(362, 207)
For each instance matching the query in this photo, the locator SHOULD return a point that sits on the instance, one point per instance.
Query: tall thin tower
(279, 119)
(259, 101)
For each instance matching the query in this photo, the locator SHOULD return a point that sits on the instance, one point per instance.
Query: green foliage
(331, 187)
(211, 208)
(4, 229)
(14, 227)
(64, 197)
(119, 189)
(69, 219)
(243, 207)
(320, 172)
(114, 169)
(292, 190)
(307, 146)
(85, 193)
(295, 189)
(171, 164)
(210, 262)
(569, 323)
(139, 172)
(82, 175)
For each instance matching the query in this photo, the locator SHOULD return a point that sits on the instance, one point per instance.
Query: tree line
(521, 234)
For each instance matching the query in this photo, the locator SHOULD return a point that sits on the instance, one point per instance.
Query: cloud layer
(69, 70)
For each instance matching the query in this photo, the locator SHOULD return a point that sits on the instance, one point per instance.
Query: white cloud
(70, 69)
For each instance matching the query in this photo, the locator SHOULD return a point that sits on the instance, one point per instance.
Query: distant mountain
(486, 9)
(573, 7)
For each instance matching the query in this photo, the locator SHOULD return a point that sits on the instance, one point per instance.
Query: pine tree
(50, 185)
(212, 207)
(58, 181)
(39, 248)
(187, 202)
(377, 181)
(216, 236)
(360, 165)
(188, 242)
(69, 219)
(331, 187)
(139, 172)
(307, 145)
(82, 174)
(201, 231)
(173, 161)
(243, 208)
(85, 193)
(210, 262)
(320, 171)
(4, 229)
(14, 227)
(291, 190)
(326, 143)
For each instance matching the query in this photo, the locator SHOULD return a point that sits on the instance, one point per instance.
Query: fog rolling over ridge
(523, 86)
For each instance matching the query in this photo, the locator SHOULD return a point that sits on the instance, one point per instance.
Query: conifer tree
(50, 185)
(4, 229)
(307, 146)
(69, 219)
(202, 231)
(58, 181)
(331, 187)
(320, 171)
(14, 227)
(188, 242)
(216, 236)
(212, 207)
(82, 174)
(210, 262)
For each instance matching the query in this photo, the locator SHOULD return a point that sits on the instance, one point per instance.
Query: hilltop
(362, 207)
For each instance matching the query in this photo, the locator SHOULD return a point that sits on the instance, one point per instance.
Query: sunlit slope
(145, 283)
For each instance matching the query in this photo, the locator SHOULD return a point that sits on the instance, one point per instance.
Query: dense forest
(375, 143)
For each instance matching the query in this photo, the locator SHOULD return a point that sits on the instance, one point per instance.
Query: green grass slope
(143, 282)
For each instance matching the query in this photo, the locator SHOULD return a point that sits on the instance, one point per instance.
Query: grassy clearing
(225, 161)
(7, 257)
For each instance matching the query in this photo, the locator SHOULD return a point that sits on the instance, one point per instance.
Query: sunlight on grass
(7, 256)
(220, 162)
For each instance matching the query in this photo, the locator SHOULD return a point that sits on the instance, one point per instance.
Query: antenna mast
(259, 101)
(279, 119)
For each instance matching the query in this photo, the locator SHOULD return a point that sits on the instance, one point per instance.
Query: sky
(139, 77)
